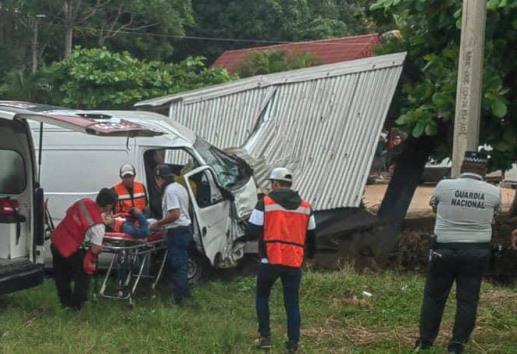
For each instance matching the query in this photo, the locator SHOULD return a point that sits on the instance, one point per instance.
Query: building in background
(326, 51)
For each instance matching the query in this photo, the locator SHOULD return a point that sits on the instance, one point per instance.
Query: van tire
(198, 268)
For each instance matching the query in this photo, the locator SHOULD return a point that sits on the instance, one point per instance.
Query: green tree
(142, 26)
(269, 22)
(97, 78)
(430, 33)
(267, 62)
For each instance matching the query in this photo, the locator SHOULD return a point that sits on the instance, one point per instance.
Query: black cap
(163, 170)
(475, 157)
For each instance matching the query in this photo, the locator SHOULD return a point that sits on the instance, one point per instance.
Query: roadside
(419, 206)
(418, 228)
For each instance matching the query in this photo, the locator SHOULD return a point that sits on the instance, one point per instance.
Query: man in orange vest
(131, 194)
(285, 227)
(81, 227)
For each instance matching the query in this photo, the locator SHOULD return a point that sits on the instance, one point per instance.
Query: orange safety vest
(285, 232)
(80, 217)
(127, 201)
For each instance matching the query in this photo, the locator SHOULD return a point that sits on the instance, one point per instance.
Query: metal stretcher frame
(129, 252)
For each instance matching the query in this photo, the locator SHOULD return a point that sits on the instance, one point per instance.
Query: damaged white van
(75, 165)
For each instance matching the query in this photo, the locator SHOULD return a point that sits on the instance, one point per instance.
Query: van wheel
(198, 268)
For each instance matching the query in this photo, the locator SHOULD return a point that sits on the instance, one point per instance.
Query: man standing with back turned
(284, 224)
(464, 209)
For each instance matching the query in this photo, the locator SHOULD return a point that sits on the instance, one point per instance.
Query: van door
(211, 213)
(19, 223)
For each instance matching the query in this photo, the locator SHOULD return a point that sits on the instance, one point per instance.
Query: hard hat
(127, 169)
(281, 174)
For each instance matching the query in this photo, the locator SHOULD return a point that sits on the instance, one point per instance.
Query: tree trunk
(68, 41)
(68, 22)
(406, 177)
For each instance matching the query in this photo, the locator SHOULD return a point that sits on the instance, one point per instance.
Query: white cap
(127, 169)
(281, 174)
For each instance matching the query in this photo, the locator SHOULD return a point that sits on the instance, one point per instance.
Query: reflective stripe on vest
(126, 201)
(285, 231)
(80, 217)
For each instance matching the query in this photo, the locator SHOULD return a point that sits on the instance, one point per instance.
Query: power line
(217, 39)
(164, 35)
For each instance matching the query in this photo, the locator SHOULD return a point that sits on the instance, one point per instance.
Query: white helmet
(281, 174)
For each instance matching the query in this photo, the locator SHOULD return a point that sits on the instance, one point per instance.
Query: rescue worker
(81, 227)
(176, 221)
(131, 194)
(285, 227)
(465, 209)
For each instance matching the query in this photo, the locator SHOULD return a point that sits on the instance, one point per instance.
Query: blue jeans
(179, 240)
(137, 231)
(291, 278)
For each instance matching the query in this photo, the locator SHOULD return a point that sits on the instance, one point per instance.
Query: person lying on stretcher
(134, 224)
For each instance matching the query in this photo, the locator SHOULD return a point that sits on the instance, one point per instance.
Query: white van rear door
(211, 212)
(102, 126)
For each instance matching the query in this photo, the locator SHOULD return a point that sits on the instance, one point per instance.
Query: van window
(13, 176)
(205, 189)
(231, 171)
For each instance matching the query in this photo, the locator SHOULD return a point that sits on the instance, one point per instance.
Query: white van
(221, 187)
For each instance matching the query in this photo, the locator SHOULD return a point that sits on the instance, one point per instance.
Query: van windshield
(231, 171)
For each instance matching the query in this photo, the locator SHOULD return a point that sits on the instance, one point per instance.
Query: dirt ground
(418, 228)
(420, 204)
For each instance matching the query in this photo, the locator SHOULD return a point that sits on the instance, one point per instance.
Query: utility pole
(470, 79)
(35, 44)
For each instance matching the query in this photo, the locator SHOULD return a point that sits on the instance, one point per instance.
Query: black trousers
(291, 278)
(67, 271)
(465, 266)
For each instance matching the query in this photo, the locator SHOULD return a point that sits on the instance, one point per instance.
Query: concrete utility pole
(470, 79)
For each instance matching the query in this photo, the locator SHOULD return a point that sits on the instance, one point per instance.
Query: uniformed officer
(464, 209)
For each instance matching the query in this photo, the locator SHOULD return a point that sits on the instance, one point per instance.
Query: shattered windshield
(231, 171)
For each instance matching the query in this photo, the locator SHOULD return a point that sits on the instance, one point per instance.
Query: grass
(338, 316)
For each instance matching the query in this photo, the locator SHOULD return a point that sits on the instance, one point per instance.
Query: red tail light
(8, 207)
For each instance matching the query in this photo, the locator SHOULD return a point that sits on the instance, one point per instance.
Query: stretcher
(131, 258)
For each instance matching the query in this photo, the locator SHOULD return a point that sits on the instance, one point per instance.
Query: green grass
(336, 318)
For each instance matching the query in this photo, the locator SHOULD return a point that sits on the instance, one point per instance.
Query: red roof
(327, 50)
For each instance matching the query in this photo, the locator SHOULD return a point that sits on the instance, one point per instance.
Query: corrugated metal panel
(322, 122)
(224, 121)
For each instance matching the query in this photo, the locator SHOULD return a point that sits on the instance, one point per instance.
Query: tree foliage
(144, 27)
(271, 21)
(430, 33)
(267, 62)
(97, 78)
